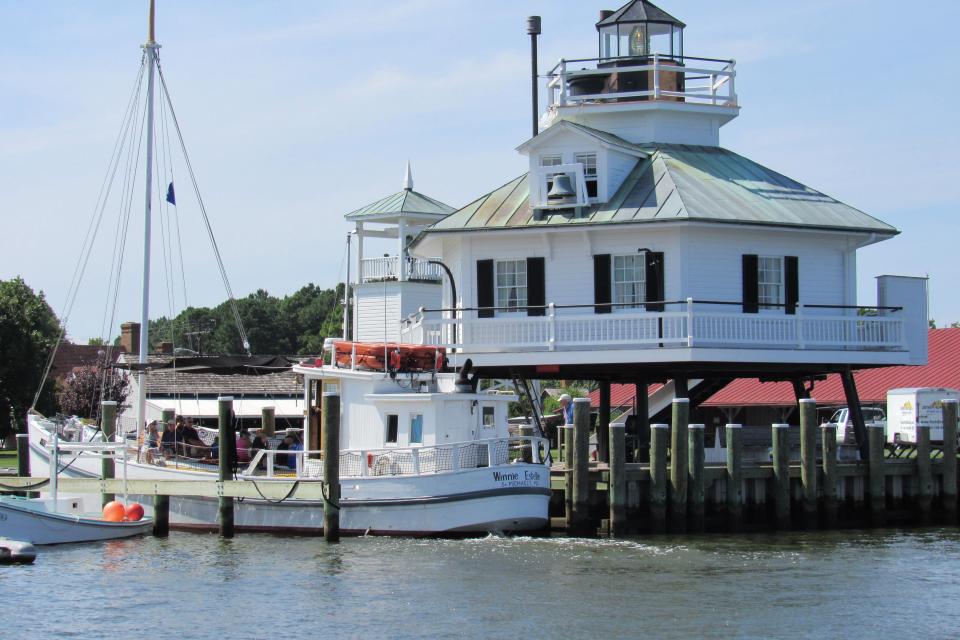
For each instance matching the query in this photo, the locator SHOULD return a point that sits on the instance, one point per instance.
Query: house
(637, 249)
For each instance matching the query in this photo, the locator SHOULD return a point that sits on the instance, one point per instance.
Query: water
(854, 584)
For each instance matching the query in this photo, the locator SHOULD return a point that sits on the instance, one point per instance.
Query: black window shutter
(601, 283)
(751, 284)
(791, 278)
(536, 287)
(485, 288)
(655, 288)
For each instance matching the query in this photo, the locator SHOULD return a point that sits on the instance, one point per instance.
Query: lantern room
(639, 29)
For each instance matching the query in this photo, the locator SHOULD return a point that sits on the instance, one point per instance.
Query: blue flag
(171, 196)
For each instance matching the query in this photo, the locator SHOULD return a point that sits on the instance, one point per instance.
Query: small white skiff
(59, 521)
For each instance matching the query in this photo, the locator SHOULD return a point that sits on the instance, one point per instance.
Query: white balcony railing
(692, 326)
(388, 268)
(705, 81)
(401, 461)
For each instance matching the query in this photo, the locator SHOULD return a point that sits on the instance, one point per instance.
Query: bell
(562, 191)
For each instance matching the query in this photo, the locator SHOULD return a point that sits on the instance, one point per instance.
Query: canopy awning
(223, 365)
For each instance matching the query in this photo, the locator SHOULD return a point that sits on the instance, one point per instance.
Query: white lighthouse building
(637, 248)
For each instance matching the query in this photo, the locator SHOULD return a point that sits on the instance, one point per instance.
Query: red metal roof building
(941, 370)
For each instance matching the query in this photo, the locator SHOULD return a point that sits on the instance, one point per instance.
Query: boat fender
(369, 460)
(16, 552)
(133, 512)
(395, 359)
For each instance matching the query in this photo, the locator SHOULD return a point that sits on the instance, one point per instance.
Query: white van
(907, 408)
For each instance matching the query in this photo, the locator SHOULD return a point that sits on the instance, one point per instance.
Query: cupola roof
(639, 11)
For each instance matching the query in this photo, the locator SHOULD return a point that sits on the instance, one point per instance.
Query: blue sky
(297, 112)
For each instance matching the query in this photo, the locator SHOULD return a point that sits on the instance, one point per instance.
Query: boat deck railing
(401, 461)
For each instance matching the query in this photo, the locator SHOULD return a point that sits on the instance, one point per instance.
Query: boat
(56, 519)
(16, 552)
(423, 453)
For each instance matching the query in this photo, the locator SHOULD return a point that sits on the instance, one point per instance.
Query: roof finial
(408, 178)
(153, 13)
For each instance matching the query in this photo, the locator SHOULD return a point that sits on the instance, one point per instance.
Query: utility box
(907, 408)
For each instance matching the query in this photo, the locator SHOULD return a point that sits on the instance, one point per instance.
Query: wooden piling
(161, 516)
(526, 449)
(734, 435)
(108, 427)
(227, 443)
(618, 480)
(23, 462)
(331, 466)
(923, 496)
(695, 463)
(678, 465)
(659, 435)
(566, 434)
(268, 421)
(828, 447)
(781, 475)
(580, 521)
(603, 419)
(949, 409)
(808, 460)
(877, 479)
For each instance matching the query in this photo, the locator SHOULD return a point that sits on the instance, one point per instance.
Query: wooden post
(828, 446)
(580, 524)
(566, 432)
(642, 421)
(924, 492)
(227, 443)
(161, 516)
(695, 498)
(659, 436)
(108, 426)
(168, 417)
(268, 421)
(877, 486)
(603, 419)
(949, 461)
(331, 466)
(23, 462)
(781, 475)
(618, 480)
(678, 465)
(734, 476)
(808, 460)
(526, 449)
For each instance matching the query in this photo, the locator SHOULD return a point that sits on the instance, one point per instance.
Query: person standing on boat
(566, 404)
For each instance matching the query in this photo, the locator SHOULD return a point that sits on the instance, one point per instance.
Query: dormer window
(589, 162)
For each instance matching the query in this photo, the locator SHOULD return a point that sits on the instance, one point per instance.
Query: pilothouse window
(393, 423)
(488, 417)
(416, 428)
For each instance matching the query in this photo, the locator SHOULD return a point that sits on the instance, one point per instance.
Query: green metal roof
(405, 201)
(679, 182)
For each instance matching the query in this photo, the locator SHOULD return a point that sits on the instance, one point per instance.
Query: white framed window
(770, 289)
(393, 427)
(511, 285)
(416, 428)
(629, 281)
(487, 416)
(589, 162)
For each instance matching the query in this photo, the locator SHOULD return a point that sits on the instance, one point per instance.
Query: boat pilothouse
(424, 451)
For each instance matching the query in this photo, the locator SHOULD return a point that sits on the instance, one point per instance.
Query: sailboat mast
(150, 49)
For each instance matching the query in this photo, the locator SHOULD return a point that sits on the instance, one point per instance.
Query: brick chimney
(130, 338)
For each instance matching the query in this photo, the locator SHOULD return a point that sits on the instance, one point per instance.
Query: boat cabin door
(487, 417)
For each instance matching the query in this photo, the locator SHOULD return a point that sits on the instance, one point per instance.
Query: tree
(82, 391)
(29, 329)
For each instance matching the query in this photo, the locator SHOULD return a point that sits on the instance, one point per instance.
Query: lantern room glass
(641, 39)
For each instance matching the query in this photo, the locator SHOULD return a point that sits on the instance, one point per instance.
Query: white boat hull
(29, 520)
(511, 498)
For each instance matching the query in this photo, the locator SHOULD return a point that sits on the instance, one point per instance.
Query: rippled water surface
(853, 584)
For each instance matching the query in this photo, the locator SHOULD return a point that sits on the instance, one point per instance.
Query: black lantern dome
(639, 29)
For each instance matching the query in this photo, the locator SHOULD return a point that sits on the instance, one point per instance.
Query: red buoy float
(134, 512)
(114, 511)
(379, 356)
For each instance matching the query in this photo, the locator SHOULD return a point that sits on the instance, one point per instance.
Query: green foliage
(293, 325)
(28, 331)
(81, 392)
(96, 342)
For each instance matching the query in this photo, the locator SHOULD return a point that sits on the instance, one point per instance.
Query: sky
(295, 113)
